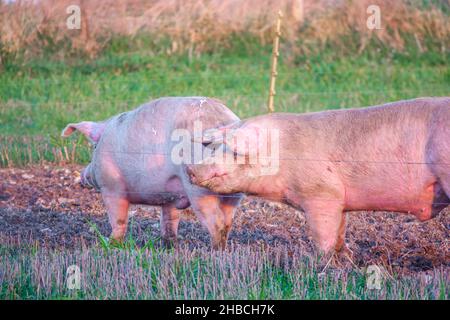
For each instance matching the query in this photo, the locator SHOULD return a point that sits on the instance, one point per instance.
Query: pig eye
(235, 155)
(212, 148)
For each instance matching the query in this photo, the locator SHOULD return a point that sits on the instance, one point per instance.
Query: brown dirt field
(48, 205)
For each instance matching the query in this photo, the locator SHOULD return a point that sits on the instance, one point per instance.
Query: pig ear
(214, 136)
(234, 136)
(92, 130)
(243, 140)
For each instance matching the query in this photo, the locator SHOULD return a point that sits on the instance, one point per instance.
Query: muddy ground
(48, 205)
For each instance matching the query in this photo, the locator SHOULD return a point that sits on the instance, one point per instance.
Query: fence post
(275, 54)
(297, 12)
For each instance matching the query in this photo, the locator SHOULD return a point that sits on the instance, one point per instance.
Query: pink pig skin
(392, 157)
(132, 164)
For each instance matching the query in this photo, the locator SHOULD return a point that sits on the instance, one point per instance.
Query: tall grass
(242, 272)
(422, 25)
(24, 150)
(32, 28)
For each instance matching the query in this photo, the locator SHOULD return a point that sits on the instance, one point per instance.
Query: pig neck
(269, 187)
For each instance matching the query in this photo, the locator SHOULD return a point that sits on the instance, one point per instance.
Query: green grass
(39, 98)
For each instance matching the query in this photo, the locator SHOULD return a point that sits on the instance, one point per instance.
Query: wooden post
(84, 23)
(275, 54)
(297, 12)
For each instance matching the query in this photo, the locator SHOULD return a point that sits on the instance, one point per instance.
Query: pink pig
(392, 157)
(132, 164)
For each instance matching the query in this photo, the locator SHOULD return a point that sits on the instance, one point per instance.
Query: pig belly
(419, 203)
(170, 191)
(159, 199)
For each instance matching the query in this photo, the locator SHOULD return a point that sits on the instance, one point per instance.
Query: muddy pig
(132, 163)
(393, 157)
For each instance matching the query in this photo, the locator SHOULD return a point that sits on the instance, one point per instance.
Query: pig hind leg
(170, 218)
(438, 150)
(445, 181)
(117, 207)
(440, 166)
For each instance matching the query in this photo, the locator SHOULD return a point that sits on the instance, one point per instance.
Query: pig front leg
(170, 217)
(228, 205)
(117, 208)
(341, 247)
(340, 243)
(216, 215)
(327, 223)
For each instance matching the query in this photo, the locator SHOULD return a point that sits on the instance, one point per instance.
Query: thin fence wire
(295, 158)
(428, 90)
(199, 75)
(276, 197)
(138, 55)
(272, 197)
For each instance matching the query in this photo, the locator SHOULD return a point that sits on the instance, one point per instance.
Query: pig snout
(190, 170)
(205, 175)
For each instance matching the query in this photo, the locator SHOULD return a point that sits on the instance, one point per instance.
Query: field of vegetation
(243, 272)
(50, 76)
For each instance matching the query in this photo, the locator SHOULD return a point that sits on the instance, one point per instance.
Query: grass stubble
(127, 271)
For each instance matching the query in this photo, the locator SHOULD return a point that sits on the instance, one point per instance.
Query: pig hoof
(347, 253)
(341, 259)
(218, 246)
(169, 243)
(344, 258)
(114, 243)
(115, 240)
(325, 261)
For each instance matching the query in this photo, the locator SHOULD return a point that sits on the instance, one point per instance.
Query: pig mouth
(209, 181)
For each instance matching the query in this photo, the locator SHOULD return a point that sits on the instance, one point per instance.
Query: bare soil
(46, 204)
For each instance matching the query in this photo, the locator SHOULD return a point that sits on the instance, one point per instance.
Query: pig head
(393, 157)
(134, 162)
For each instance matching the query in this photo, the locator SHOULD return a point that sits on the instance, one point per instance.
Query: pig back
(137, 145)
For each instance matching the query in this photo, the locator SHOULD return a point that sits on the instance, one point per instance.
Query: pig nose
(191, 174)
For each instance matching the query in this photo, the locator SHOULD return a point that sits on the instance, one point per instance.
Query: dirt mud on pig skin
(393, 157)
(131, 164)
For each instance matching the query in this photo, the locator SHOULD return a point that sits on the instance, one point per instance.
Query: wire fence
(429, 89)
(204, 75)
(272, 197)
(17, 149)
(354, 161)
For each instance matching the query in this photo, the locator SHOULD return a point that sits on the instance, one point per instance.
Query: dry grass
(196, 26)
(400, 22)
